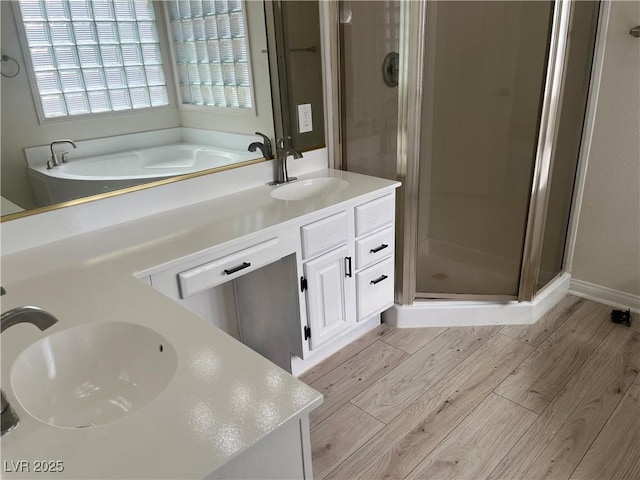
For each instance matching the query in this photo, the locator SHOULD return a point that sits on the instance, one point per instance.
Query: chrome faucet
(283, 150)
(33, 315)
(264, 146)
(42, 320)
(53, 160)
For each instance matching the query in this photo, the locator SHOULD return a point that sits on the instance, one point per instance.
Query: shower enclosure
(484, 131)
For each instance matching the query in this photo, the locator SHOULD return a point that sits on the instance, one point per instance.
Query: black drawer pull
(377, 249)
(379, 279)
(244, 265)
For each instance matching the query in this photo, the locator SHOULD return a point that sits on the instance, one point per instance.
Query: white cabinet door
(328, 292)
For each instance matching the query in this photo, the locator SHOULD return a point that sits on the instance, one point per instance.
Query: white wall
(607, 250)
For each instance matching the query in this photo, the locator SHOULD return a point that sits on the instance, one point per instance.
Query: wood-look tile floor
(559, 399)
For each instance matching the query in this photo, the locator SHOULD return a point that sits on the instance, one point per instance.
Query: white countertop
(224, 396)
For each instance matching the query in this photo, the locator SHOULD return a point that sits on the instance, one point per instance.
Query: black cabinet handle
(347, 267)
(377, 249)
(238, 268)
(379, 279)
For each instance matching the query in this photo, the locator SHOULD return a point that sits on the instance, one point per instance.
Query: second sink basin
(312, 187)
(92, 374)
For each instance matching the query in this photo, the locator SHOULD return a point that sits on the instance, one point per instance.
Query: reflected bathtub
(81, 177)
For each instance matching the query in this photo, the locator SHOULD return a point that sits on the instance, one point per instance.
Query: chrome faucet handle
(284, 143)
(63, 157)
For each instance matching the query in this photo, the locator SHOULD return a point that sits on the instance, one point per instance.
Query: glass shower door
(485, 66)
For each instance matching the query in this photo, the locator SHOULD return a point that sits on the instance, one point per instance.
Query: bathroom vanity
(302, 276)
(302, 283)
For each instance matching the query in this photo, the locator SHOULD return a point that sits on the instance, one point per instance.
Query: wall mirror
(149, 91)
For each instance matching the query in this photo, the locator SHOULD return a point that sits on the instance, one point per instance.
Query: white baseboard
(450, 313)
(605, 295)
(299, 366)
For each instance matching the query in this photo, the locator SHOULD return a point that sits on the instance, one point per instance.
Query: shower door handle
(391, 69)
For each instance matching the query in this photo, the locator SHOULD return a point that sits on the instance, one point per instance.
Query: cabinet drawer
(227, 268)
(323, 235)
(374, 289)
(374, 247)
(374, 214)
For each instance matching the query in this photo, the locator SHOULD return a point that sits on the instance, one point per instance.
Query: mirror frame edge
(122, 191)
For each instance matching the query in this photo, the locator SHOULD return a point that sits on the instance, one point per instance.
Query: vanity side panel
(268, 311)
(215, 306)
(278, 456)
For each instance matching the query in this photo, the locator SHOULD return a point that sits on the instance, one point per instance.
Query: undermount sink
(312, 187)
(92, 374)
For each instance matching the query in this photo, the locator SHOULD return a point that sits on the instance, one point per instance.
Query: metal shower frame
(413, 18)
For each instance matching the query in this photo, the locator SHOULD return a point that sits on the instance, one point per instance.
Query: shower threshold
(463, 313)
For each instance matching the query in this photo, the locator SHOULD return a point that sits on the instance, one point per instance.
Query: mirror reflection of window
(211, 53)
(93, 57)
(104, 56)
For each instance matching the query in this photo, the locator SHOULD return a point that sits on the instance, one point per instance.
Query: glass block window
(93, 56)
(210, 49)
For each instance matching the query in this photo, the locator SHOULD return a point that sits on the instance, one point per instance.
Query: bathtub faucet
(53, 161)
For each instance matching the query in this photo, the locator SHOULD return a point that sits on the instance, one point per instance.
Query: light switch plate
(305, 124)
